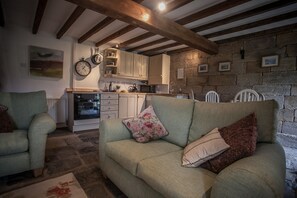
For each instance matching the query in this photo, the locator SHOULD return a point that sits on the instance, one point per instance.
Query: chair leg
(38, 172)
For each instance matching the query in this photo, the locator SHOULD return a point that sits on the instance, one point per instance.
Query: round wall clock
(83, 68)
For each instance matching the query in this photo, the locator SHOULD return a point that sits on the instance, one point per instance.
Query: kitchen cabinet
(125, 65)
(133, 66)
(127, 105)
(159, 70)
(140, 66)
(109, 106)
(140, 103)
(110, 62)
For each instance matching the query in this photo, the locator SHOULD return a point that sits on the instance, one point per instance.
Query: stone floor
(69, 152)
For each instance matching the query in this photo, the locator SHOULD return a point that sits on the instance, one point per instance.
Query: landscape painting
(46, 62)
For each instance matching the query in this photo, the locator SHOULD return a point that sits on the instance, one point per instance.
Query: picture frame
(270, 61)
(180, 73)
(225, 66)
(203, 68)
(46, 62)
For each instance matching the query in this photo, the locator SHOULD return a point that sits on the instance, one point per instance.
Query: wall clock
(83, 68)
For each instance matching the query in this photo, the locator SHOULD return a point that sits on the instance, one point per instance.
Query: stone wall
(278, 83)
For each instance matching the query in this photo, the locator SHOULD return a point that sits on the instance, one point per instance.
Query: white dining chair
(246, 95)
(261, 96)
(212, 96)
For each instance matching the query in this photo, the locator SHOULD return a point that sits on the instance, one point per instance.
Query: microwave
(147, 88)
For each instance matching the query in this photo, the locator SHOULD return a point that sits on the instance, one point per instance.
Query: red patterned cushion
(5, 121)
(146, 126)
(242, 138)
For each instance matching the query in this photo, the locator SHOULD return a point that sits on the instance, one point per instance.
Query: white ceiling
(22, 13)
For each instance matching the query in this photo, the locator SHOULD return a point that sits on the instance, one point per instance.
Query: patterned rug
(65, 186)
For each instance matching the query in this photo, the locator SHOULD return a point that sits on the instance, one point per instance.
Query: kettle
(132, 88)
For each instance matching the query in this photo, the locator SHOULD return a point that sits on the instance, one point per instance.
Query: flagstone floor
(69, 152)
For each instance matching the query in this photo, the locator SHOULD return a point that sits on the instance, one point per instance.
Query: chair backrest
(262, 97)
(22, 107)
(246, 95)
(212, 96)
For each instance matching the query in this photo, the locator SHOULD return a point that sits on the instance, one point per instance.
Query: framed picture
(203, 68)
(224, 66)
(180, 73)
(45, 62)
(270, 61)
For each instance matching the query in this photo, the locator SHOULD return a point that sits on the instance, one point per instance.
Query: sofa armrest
(40, 126)
(109, 131)
(260, 175)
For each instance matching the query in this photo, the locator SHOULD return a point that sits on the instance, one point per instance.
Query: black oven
(86, 106)
(147, 88)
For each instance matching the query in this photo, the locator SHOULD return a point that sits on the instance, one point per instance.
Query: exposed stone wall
(278, 83)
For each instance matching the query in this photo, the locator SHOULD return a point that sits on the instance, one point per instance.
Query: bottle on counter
(110, 86)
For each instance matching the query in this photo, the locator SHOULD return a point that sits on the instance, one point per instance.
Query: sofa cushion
(166, 175)
(209, 146)
(211, 115)
(146, 127)
(11, 143)
(176, 116)
(242, 138)
(128, 153)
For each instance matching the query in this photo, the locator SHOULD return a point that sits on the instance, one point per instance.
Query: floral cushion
(205, 148)
(242, 138)
(6, 124)
(146, 126)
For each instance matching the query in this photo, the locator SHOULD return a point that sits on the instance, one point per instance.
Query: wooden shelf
(112, 57)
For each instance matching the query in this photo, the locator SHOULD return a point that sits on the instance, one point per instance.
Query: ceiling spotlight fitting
(162, 6)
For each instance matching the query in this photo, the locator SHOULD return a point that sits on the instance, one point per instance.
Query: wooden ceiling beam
(149, 52)
(185, 49)
(131, 12)
(115, 35)
(105, 22)
(38, 15)
(253, 24)
(73, 17)
(102, 24)
(2, 21)
(258, 34)
(243, 15)
(171, 6)
(158, 41)
(136, 39)
(198, 15)
(210, 11)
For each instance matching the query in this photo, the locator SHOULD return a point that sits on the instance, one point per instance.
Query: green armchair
(24, 148)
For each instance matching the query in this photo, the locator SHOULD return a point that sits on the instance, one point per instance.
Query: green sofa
(24, 148)
(154, 169)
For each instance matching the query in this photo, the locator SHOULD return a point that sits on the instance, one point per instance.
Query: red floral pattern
(146, 126)
(61, 190)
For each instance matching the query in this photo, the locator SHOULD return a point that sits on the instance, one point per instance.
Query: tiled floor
(69, 152)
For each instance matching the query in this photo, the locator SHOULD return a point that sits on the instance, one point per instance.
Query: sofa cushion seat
(166, 175)
(128, 153)
(15, 142)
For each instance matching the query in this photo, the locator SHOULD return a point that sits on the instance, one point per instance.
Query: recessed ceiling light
(162, 6)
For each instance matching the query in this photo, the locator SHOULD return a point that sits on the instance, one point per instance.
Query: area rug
(65, 186)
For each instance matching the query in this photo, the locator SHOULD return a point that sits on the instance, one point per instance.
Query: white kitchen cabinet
(125, 65)
(127, 105)
(140, 103)
(159, 69)
(109, 106)
(140, 66)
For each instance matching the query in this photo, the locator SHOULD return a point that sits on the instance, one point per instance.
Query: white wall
(15, 62)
